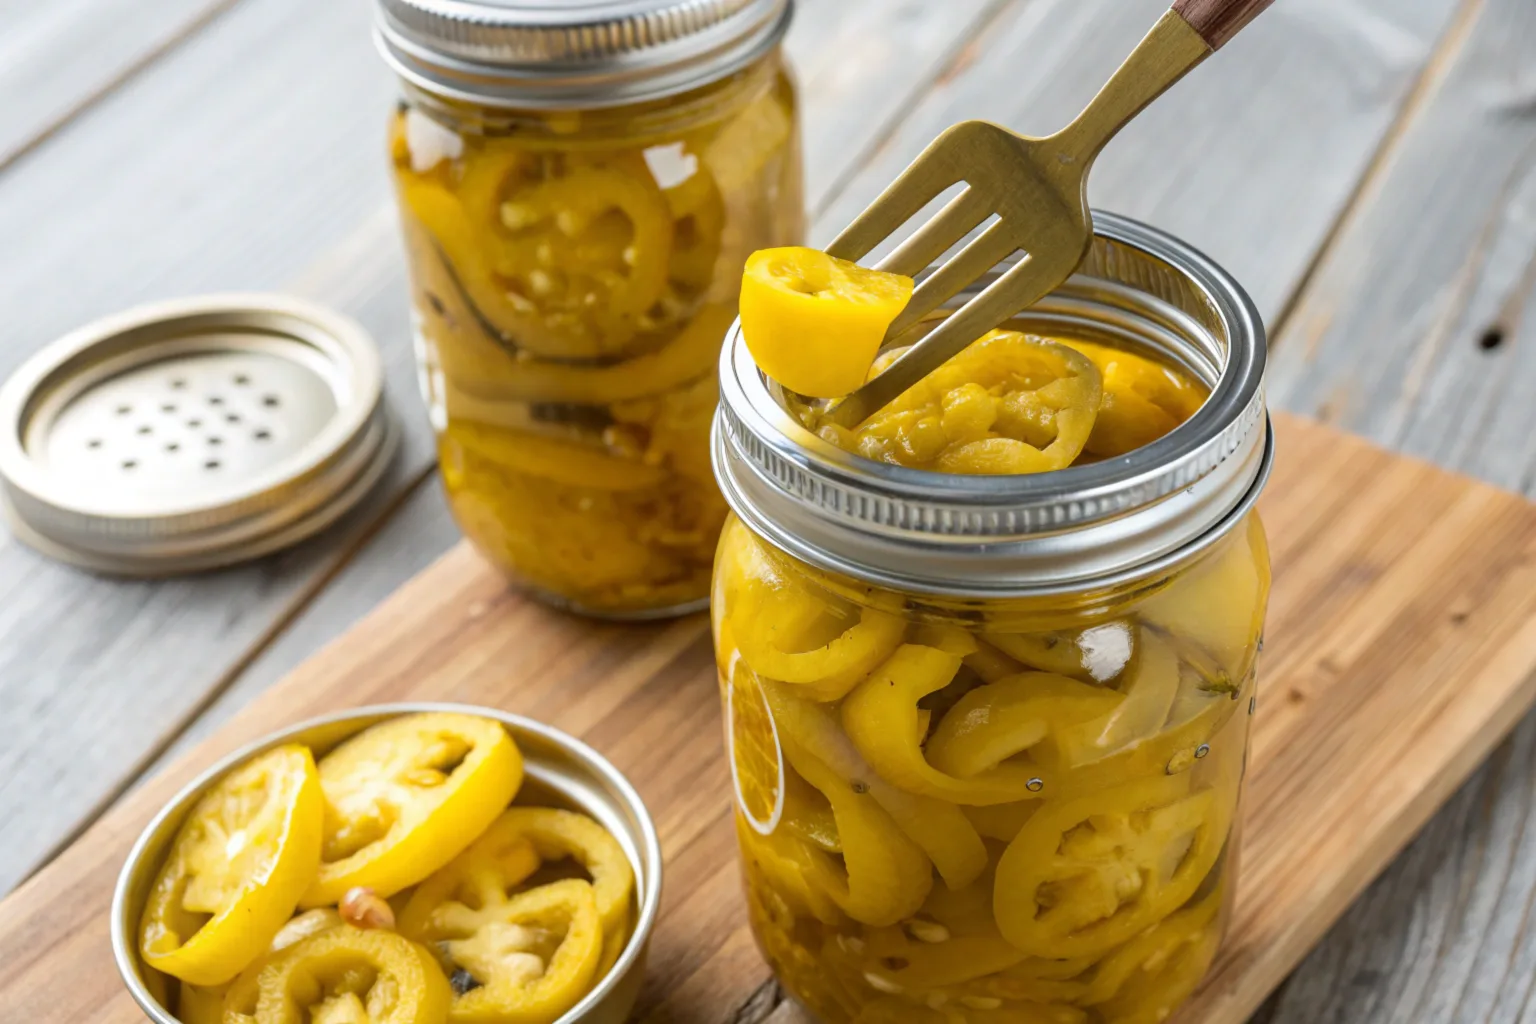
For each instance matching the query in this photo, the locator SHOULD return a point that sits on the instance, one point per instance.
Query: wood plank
(1381, 692)
(1431, 351)
(58, 58)
(188, 179)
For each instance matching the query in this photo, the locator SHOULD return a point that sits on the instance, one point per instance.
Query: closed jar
(988, 733)
(578, 190)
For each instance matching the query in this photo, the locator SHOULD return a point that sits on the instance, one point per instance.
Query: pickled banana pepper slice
(1088, 873)
(789, 634)
(565, 254)
(246, 853)
(975, 740)
(346, 975)
(1142, 401)
(406, 796)
(512, 849)
(887, 874)
(939, 829)
(524, 958)
(1010, 403)
(813, 322)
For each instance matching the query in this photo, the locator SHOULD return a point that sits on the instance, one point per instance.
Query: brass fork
(1037, 189)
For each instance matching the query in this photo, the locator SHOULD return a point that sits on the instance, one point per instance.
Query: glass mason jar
(578, 198)
(988, 734)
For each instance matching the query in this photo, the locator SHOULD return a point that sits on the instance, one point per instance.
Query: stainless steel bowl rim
(989, 536)
(535, 54)
(124, 949)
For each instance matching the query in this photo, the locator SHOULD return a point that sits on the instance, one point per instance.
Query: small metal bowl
(559, 771)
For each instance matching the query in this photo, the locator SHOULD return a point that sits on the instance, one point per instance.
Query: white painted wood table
(1366, 167)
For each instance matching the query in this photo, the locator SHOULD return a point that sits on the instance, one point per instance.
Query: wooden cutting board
(1401, 648)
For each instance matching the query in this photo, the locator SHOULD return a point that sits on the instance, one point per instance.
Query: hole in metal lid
(211, 464)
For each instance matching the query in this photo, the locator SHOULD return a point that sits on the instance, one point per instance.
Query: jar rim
(1083, 526)
(530, 55)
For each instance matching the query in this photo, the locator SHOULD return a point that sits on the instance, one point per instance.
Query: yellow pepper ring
(1000, 720)
(793, 299)
(479, 878)
(1009, 404)
(566, 462)
(567, 260)
(881, 718)
(237, 867)
(1142, 400)
(771, 622)
(916, 965)
(887, 876)
(1149, 691)
(1086, 874)
(1158, 951)
(557, 834)
(685, 358)
(499, 954)
(350, 974)
(940, 829)
(796, 872)
(406, 796)
(698, 221)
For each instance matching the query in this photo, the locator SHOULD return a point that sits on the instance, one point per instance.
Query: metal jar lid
(551, 54)
(1085, 526)
(190, 434)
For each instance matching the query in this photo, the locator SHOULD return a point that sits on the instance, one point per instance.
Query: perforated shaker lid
(191, 434)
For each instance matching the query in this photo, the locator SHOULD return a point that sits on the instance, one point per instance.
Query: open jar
(988, 733)
(579, 187)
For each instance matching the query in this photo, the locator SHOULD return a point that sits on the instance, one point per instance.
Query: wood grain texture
(1401, 639)
(1218, 21)
(1251, 158)
(1417, 332)
(189, 179)
(58, 58)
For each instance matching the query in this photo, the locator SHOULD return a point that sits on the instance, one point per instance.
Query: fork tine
(943, 230)
(926, 177)
(980, 256)
(1000, 300)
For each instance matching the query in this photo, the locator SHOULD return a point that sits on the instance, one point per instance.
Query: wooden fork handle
(1218, 21)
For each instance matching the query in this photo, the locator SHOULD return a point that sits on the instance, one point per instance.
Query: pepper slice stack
(573, 277)
(507, 915)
